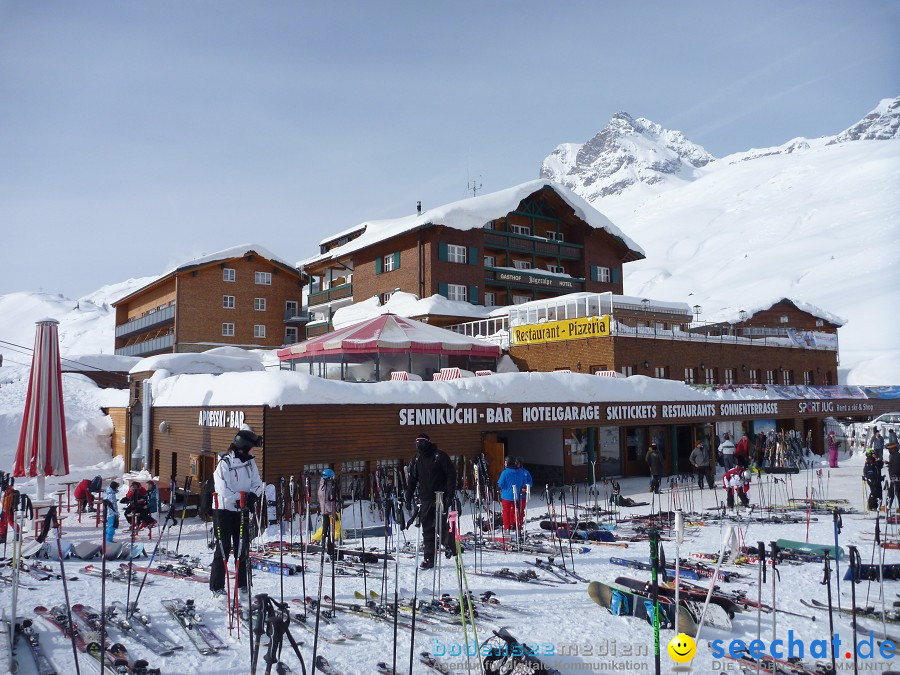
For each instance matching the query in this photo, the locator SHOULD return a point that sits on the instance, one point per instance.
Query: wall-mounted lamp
(742, 315)
(578, 365)
(698, 310)
(164, 427)
(645, 303)
(818, 370)
(702, 366)
(646, 364)
(780, 369)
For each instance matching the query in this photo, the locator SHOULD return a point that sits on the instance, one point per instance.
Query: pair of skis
(200, 635)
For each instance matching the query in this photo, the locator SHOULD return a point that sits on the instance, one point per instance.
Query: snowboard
(505, 654)
(819, 549)
(602, 594)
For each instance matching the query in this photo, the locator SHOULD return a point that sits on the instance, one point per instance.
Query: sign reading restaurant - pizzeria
(557, 331)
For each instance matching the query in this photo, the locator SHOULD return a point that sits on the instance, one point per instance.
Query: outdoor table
(69, 485)
(37, 505)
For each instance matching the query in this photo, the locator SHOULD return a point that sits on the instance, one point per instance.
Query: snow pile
(213, 361)
(88, 430)
(407, 305)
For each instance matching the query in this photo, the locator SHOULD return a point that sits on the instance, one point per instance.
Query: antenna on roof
(474, 186)
(419, 208)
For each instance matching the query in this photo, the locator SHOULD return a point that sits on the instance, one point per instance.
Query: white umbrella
(42, 449)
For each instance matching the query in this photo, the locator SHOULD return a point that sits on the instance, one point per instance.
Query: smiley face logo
(682, 648)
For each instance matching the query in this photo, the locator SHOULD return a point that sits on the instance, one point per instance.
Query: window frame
(556, 269)
(604, 274)
(521, 230)
(490, 295)
(457, 254)
(225, 302)
(492, 259)
(296, 333)
(262, 278)
(521, 299)
(256, 304)
(225, 275)
(227, 329)
(387, 263)
(729, 376)
(259, 331)
(690, 375)
(292, 306)
(661, 372)
(518, 265)
(770, 377)
(454, 290)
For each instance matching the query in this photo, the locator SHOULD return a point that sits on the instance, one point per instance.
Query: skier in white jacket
(235, 473)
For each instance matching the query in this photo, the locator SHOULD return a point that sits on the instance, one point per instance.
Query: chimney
(419, 208)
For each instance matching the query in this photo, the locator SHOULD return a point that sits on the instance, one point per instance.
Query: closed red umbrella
(42, 449)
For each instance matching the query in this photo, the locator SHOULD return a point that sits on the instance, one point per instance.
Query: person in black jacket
(893, 468)
(431, 471)
(656, 461)
(872, 476)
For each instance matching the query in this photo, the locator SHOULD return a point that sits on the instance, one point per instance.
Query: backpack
(96, 484)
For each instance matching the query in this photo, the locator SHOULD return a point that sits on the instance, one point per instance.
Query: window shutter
(615, 275)
(473, 255)
(397, 260)
(595, 273)
(442, 252)
(473, 294)
(442, 289)
(378, 263)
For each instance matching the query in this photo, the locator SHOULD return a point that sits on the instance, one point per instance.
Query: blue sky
(137, 135)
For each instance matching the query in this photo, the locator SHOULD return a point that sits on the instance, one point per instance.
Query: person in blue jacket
(513, 503)
(112, 510)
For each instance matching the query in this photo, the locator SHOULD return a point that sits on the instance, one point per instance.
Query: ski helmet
(746, 475)
(327, 473)
(246, 439)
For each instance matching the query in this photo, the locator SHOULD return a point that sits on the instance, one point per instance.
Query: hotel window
(387, 296)
(227, 330)
(228, 302)
(709, 375)
(627, 371)
(290, 335)
(599, 369)
(601, 274)
(259, 331)
(259, 304)
(729, 376)
(227, 274)
(788, 377)
(456, 254)
(556, 269)
(521, 264)
(689, 376)
(490, 300)
(489, 225)
(457, 292)
(520, 229)
(521, 299)
(489, 261)
(555, 236)
(263, 278)
(661, 372)
(808, 377)
(291, 308)
(754, 376)
(387, 263)
(783, 318)
(770, 377)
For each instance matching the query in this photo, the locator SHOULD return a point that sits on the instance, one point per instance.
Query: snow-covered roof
(89, 362)
(214, 361)
(472, 213)
(406, 304)
(732, 314)
(229, 253)
(284, 387)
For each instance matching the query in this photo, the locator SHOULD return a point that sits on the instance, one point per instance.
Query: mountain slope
(817, 220)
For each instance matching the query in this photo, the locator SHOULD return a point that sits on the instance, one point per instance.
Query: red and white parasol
(42, 449)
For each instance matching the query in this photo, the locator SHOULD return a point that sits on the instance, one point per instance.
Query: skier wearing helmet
(235, 474)
(431, 471)
(737, 480)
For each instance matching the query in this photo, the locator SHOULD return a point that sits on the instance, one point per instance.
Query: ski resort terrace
(641, 318)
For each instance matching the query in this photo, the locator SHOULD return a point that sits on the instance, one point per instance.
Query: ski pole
(51, 514)
(838, 524)
(654, 564)
(877, 546)
(396, 589)
(761, 579)
(773, 553)
(280, 513)
(318, 604)
(826, 581)
(103, 589)
(679, 539)
(187, 486)
(854, 571)
(415, 599)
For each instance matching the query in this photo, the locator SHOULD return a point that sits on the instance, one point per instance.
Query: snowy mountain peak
(882, 124)
(628, 152)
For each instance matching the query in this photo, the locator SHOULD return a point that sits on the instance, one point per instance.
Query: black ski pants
(427, 513)
(228, 533)
(874, 494)
(701, 472)
(893, 490)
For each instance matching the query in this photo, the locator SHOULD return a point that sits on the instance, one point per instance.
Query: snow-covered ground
(564, 616)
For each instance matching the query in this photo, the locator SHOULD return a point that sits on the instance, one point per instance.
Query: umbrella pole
(40, 487)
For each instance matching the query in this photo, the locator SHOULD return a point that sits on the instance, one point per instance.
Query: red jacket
(81, 490)
(743, 448)
(734, 480)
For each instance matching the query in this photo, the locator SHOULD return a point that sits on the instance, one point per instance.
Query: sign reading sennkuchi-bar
(556, 331)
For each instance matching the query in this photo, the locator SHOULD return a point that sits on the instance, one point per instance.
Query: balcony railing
(317, 328)
(530, 244)
(336, 293)
(147, 347)
(147, 321)
(294, 317)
